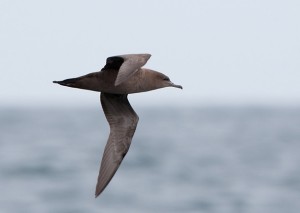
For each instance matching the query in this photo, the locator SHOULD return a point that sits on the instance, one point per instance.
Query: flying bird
(122, 75)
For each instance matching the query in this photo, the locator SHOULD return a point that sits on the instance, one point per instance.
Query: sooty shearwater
(122, 75)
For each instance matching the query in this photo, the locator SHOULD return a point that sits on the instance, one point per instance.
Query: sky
(221, 52)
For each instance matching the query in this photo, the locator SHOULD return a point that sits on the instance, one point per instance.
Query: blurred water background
(189, 159)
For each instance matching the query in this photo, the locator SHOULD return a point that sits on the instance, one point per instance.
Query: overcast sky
(232, 52)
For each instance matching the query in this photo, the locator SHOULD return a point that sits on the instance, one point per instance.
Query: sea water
(190, 159)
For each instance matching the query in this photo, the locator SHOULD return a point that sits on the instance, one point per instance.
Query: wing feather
(122, 120)
(126, 64)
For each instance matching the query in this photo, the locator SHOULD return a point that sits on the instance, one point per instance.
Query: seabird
(122, 75)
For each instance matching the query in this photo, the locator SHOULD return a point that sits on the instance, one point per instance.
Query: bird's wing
(126, 64)
(122, 120)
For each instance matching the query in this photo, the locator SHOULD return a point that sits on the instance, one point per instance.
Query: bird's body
(104, 81)
(122, 75)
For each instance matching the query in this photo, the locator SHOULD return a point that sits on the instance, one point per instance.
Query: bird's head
(160, 80)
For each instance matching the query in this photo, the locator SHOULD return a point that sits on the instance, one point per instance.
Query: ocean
(184, 159)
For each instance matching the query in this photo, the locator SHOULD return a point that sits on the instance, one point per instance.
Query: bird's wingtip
(97, 194)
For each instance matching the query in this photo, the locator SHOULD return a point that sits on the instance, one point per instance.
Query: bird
(121, 75)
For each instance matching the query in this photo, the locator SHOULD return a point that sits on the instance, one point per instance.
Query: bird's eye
(166, 79)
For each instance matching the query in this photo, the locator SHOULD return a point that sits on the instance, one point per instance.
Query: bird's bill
(176, 85)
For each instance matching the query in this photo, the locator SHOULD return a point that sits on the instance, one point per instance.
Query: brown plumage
(122, 75)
